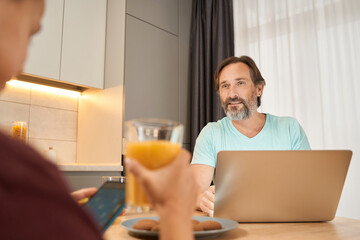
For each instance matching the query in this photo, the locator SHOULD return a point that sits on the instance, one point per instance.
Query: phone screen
(107, 203)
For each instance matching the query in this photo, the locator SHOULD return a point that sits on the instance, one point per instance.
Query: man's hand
(83, 193)
(206, 201)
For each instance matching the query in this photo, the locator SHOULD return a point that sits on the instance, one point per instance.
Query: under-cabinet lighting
(44, 88)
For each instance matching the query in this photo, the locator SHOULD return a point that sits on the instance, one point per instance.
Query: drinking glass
(113, 179)
(154, 143)
(19, 130)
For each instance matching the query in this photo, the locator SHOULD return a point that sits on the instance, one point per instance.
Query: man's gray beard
(246, 112)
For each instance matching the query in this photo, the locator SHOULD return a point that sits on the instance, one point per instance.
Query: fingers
(210, 195)
(207, 201)
(83, 193)
(207, 208)
(140, 172)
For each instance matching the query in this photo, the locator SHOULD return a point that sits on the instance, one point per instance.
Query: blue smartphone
(107, 203)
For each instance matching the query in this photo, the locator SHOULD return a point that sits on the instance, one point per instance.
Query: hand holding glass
(154, 143)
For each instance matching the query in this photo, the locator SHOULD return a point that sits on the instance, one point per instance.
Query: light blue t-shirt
(278, 133)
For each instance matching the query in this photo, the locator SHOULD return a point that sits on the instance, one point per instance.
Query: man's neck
(252, 126)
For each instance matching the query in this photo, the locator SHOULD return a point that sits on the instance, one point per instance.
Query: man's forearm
(203, 175)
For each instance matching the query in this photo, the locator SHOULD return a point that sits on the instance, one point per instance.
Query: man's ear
(259, 89)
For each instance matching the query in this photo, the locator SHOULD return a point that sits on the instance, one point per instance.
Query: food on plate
(197, 227)
(154, 226)
(145, 224)
(210, 225)
(195, 222)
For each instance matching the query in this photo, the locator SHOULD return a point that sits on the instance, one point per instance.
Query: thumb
(83, 193)
(140, 172)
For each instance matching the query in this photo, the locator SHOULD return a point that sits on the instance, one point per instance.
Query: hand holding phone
(107, 203)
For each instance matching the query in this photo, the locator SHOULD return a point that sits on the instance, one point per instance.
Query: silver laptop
(279, 186)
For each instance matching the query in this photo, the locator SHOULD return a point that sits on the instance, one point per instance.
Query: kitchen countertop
(91, 167)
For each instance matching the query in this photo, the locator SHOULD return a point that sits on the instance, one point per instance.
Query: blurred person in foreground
(34, 200)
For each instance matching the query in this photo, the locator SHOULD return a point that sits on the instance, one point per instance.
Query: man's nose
(233, 92)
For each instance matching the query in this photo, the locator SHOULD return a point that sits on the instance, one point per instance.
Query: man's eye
(224, 85)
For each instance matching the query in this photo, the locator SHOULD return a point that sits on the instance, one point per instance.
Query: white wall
(51, 119)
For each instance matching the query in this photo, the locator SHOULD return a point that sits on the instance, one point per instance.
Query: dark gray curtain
(212, 40)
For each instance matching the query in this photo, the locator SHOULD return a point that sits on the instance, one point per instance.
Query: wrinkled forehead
(235, 71)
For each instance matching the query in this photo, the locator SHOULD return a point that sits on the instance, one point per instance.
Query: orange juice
(153, 155)
(19, 130)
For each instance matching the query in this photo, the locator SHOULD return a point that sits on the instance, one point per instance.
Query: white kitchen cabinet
(71, 44)
(83, 42)
(45, 47)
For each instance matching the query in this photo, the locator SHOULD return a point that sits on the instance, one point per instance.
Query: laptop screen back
(280, 186)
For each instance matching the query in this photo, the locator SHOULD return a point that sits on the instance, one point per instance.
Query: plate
(226, 224)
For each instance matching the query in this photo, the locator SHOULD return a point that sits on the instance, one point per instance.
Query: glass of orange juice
(154, 143)
(19, 130)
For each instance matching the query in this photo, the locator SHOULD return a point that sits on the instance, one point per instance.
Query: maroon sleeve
(34, 200)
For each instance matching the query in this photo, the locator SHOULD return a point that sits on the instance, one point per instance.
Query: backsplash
(52, 119)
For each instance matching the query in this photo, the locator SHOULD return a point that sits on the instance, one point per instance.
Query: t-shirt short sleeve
(204, 152)
(298, 137)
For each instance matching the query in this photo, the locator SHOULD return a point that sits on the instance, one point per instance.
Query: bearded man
(240, 85)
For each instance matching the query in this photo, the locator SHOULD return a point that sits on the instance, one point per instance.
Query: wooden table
(339, 228)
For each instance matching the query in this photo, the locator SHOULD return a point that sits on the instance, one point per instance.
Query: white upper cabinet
(83, 45)
(71, 44)
(45, 47)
